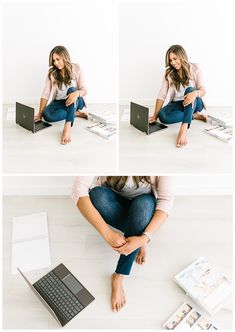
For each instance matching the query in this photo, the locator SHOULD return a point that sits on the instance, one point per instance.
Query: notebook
(30, 242)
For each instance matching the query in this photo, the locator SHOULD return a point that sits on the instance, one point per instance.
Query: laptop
(25, 118)
(140, 120)
(62, 294)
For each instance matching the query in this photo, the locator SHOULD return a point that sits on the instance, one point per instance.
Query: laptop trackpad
(84, 297)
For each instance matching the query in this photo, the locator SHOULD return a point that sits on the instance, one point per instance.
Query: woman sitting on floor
(62, 96)
(180, 97)
(134, 205)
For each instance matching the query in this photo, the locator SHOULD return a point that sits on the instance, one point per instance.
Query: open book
(207, 287)
(101, 129)
(223, 133)
(186, 317)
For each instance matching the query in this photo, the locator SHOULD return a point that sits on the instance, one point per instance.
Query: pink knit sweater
(50, 88)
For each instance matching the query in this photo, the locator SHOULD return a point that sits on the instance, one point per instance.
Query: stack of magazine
(105, 117)
(104, 123)
(102, 129)
(220, 132)
(223, 119)
(208, 288)
(222, 126)
(186, 317)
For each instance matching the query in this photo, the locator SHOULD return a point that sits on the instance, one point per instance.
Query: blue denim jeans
(57, 110)
(129, 216)
(175, 112)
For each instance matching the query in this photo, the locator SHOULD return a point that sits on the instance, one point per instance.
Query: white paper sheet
(30, 242)
(125, 115)
(11, 114)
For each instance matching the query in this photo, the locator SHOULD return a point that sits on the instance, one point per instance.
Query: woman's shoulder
(76, 67)
(194, 66)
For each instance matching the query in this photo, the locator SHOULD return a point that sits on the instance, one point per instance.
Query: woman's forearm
(157, 220)
(158, 106)
(82, 92)
(90, 213)
(200, 92)
(43, 104)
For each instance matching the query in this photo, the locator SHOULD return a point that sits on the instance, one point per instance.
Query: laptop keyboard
(41, 125)
(61, 297)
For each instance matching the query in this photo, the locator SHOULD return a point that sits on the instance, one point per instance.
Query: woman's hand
(114, 239)
(72, 98)
(189, 98)
(38, 117)
(132, 243)
(152, 118)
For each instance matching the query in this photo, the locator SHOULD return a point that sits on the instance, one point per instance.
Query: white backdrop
(87, 28)
(148, 28)
(61, 185)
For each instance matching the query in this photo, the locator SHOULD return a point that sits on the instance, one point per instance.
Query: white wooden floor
(157, 152)
(198, 226)
(24, 152)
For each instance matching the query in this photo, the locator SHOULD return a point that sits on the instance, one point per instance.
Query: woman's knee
(143, 207)
(70, 90)
(144, 201)
(47, 114)
(189, 89)
(100, 195)
(162, 117)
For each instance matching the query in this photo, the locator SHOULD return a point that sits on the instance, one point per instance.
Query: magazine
(205, 285)
(221, 118)
(101, 129)
(106, 117)
(223, 133)
(186, 317)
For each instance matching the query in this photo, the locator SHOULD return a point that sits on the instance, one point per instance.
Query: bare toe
(66, 138)
(181, 140)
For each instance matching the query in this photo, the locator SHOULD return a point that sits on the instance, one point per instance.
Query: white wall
(148, 28)
(87, 28)
(61, 185)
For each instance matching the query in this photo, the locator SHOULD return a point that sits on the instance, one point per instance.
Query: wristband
(149, 236)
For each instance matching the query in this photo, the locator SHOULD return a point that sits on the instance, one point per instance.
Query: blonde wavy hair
(118, 182)
(172, 72)
(68, 67)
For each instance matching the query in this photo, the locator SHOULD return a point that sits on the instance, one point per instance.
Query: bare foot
(182, 136)
(81, 114)
(66, 138)
(198, 116)
(118, 299)
(141, 256)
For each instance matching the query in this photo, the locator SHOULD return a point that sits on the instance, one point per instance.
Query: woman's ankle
(118, 276)
(67, 125)
(184, 126)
